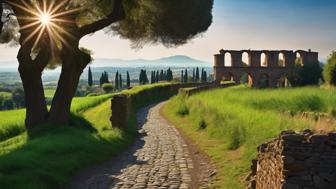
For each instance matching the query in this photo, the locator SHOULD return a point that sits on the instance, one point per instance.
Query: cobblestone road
(159, 159)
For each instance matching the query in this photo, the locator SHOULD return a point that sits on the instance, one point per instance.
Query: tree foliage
(90, 80)
(170, 22)
(329, 71)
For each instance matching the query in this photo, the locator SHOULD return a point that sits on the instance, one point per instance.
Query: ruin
(268, 73)
(303, 160)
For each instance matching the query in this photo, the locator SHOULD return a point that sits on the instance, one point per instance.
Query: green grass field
(229, 124)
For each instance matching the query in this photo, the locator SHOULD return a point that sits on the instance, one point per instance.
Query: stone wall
(296, 161)
(125, 105)
(194, 90)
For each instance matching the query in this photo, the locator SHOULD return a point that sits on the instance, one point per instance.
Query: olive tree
(49, 31)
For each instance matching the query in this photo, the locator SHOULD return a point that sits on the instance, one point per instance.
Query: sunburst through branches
(45, 18)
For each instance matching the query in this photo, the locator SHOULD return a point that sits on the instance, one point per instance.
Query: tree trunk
(73, 64)
(30, 73)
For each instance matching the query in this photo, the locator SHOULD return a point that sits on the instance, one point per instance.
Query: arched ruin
(264, 73)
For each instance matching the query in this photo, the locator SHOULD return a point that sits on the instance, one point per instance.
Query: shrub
(182, 110)
(237, 137)
(107, 87)
(202, 125)
(329, 71)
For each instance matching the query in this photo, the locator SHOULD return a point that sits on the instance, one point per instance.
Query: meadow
(229, 124)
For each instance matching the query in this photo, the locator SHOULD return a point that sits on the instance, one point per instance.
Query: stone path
(160, 158)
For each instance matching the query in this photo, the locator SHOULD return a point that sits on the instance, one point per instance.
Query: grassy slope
(239, 119)
(12, 122)
(54, 153)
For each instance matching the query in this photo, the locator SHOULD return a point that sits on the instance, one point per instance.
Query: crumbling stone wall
(296, 161)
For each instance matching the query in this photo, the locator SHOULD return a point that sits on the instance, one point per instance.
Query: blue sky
(238, 24)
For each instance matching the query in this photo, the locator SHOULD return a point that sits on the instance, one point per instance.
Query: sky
(237, 24)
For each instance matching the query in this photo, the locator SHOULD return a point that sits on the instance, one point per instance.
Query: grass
(229, 124)
(49, 93)
(12, 122)
(52, 154)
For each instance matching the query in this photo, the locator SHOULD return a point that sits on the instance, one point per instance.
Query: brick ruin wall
(296, 161)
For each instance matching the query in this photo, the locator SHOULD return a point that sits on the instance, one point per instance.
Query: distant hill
(172, 61)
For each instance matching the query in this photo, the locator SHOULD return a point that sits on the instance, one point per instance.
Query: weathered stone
(296, 161)
(256, 71)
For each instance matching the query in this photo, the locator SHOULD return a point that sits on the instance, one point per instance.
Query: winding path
(160, 158)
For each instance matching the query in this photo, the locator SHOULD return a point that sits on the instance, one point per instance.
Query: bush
(237, 138)
(182, 110)
(107, 87)
(202, 125)
(329, 72)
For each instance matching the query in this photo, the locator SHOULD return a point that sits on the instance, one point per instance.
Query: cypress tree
(140, 77)
(193, 76)
(161, 75)
(90, 81)
(120, 82)
(186, 76)
(157, 76)
(116, 80)
(128, 80)
(197, 77)
(182, 77)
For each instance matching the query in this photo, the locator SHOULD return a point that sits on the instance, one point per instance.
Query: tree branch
(118, 13)
(1, 12)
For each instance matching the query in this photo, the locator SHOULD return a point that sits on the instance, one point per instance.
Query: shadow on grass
(52, 154)
(102, 173)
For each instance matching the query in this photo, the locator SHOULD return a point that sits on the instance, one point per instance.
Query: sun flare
(45, 18)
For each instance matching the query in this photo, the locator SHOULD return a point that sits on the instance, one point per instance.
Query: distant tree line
(12, 100)
(157, 76)
(197, 76)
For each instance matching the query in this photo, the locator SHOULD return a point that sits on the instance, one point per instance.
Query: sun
(45, 19)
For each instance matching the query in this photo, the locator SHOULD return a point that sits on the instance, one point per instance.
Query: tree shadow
(50, 155)
(103, 174)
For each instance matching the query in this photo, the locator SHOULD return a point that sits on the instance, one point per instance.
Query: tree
(58, 44)
(186, 76)
(329, 71)
(157, 76)
(90, 82)
(128, 80)
(311, 73)
(197, 77)
(120, 82)
(107, 87)
(104, 78)
(116, 80)
(182, 76)
(169, 75)
(204, 77)
(193, 76)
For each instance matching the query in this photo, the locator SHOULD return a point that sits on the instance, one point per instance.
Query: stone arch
(299, 56)
(246, 59)
(247, 79)
(282, 60)
(228, 76)
(264, 80)
(264, 59)
(283, 81)
(227, 59)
